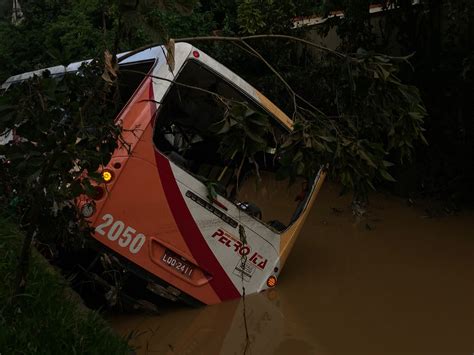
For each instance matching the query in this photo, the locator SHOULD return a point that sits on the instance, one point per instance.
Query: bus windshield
(184, 131)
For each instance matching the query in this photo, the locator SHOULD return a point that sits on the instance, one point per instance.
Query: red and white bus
(155, 213)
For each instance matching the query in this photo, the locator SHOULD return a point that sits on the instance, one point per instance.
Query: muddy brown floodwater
(396, 282)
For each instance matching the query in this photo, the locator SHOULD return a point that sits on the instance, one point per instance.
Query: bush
(46, 319)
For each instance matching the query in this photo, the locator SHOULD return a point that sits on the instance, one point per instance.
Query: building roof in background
(304, 21)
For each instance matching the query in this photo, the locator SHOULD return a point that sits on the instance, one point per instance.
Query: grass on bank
(46, 319)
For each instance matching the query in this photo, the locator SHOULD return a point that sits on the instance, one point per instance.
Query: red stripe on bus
(193, 237)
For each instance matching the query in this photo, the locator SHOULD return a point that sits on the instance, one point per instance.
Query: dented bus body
(156, 214)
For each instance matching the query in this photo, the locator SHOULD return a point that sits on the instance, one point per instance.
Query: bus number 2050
(125, 236)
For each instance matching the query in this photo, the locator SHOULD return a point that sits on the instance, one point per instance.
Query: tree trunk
(435, 31)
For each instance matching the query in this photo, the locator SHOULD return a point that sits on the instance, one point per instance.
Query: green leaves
(243, 130)
(374, 121)
(385, 174)
(55, 146)
(211, 190)
(256, 16)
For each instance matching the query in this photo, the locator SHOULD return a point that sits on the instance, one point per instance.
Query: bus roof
(147, 54)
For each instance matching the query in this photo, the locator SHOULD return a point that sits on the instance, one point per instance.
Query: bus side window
(131, 76)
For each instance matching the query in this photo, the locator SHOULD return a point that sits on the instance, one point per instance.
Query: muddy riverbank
(396, 282)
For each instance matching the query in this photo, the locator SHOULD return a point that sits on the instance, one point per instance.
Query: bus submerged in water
(154, 212)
